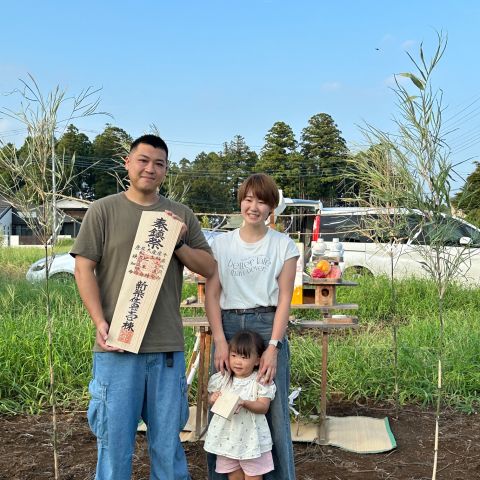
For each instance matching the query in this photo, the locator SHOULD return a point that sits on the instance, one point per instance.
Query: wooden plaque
(226, 404)
(156, 237)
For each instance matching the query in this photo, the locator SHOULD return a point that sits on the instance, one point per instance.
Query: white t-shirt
(247, 434)
(249, 271)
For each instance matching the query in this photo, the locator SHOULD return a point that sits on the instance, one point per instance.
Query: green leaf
(417, 82)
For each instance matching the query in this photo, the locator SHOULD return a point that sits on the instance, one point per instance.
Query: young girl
(243, 444)
(252, 289)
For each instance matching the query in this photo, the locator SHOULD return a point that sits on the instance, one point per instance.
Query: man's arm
(90, 295)
(196, 260)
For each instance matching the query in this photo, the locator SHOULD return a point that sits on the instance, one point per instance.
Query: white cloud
(387, 39)
(408, 44)
(331, 86)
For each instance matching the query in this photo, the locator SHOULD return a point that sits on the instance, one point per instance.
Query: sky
(205, 71)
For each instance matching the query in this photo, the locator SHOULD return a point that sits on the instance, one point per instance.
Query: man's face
(147, 168)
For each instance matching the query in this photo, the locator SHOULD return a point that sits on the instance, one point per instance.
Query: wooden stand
(201, 323)
(318, 294)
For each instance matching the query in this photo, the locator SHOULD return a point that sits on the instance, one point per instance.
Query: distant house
(12, 222)
(5, 217)
(74, 210)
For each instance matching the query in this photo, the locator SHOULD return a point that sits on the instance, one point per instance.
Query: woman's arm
(213, 288)
(268, 363)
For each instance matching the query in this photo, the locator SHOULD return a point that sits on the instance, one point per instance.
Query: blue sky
(204, 71)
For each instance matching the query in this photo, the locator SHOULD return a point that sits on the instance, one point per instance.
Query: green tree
(108, 148)
(210, 184)
(468, 198)
(325, 157)
(239, 161)
(280, 159)
(6, 151)
(77, 148)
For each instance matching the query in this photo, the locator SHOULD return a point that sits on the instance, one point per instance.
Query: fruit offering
(322, 269)
(324, 266)
(335, 272)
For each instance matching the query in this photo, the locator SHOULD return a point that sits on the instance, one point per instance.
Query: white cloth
(247, 435)
(249, 271)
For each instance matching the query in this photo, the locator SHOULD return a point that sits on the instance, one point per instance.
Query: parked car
(367, 252)
(60, 266)
(63, 265)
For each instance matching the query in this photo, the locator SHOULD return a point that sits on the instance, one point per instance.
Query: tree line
(318, 166)
(313, 167)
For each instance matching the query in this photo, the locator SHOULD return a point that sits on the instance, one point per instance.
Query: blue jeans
(278, 415)
(126, 387)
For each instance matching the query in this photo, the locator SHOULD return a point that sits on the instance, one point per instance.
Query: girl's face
(241, 365)
(254, 211)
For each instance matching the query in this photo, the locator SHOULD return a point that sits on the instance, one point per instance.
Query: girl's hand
(221, 357)
(267, 369)
(214, 397)
(239, 406)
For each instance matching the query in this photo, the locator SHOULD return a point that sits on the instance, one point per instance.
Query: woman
(252, 289)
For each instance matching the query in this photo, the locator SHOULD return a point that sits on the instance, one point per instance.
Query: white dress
(247, 435)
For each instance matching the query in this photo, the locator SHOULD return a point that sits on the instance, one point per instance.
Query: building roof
(73, 203)
(4, 207)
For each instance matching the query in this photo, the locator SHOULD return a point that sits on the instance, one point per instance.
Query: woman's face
(254, 211)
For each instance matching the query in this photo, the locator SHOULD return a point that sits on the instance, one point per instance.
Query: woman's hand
(267, 369)
(221, 356)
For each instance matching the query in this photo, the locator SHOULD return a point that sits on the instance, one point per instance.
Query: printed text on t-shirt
(246, 266)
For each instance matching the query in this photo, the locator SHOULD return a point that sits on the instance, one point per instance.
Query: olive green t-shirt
(106, 237)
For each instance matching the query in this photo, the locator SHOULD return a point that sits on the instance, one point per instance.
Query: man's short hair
(261, 186)
(153, 140)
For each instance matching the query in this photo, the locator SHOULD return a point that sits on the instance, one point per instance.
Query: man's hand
(102, 335)
(183, 230)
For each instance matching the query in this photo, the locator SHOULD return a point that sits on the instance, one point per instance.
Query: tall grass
(14, 261)
(360, 362)
(24, 374)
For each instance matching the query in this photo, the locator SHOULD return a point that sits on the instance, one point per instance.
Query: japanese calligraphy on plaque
(152, 250)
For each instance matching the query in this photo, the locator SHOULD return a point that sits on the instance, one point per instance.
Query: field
(361, 381)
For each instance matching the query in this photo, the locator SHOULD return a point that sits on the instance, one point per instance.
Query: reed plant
(411, 169)
(33, 180)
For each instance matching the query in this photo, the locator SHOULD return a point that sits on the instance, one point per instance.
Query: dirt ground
(26, 452)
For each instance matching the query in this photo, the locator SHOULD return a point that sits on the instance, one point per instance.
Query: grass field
(360, 362)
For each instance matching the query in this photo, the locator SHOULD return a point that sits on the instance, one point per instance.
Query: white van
(366, 252)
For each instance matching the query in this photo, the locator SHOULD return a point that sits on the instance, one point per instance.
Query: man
(151, 384)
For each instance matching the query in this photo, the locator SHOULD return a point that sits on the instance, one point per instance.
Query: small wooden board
(226, 404)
